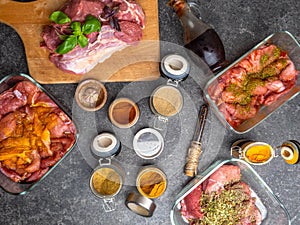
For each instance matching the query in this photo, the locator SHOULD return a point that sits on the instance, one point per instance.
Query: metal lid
(175, 67)
(105, 145)
(140, 205)
(148, 143)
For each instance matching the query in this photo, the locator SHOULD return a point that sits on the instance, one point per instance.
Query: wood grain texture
(133, 63)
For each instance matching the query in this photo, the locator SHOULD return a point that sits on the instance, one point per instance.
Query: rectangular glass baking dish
(272, 210)
(6, 183)
(285, 41)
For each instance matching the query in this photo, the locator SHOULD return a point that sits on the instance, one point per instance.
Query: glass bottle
(200, 37)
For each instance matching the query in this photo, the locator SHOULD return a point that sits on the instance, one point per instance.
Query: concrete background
(64, 196)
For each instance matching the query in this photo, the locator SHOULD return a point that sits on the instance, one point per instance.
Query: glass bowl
(22, 187)
(272, 210)
(286, 42)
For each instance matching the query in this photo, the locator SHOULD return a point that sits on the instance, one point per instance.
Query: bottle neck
(193, 26)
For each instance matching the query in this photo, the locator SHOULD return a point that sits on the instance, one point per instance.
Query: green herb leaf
(69, 43)
(59, 17)
(91, 24)
(76, 27)
(82, 41)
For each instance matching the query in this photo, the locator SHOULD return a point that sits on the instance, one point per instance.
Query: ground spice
(106, 181)
(259, 153)
(152, 184)
(167, 101)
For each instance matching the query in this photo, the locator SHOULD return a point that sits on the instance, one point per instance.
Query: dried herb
(226, 207)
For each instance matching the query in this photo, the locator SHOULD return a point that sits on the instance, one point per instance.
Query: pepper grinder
(195, 148)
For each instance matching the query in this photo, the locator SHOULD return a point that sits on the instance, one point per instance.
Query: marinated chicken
(258, 80)
(34, 132)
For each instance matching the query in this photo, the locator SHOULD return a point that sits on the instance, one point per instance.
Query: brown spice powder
(167, 101)
(106, 181)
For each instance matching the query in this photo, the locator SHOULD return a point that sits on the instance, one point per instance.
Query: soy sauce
(208, 46)
(199, 37)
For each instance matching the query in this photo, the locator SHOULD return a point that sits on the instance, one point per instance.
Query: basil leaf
(82, 41)
(91, 24)
(76, 27)
(59, 17)
(67, 45)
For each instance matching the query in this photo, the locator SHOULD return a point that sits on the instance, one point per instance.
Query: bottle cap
(140, 205)
(105, 145)
(175, 67)
(287, 153)
(148, 143)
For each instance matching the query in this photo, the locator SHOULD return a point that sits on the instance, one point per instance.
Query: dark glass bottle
(200, 37)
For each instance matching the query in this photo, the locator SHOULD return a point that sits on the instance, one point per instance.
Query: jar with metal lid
(106, 182)
(151, 182)
(260, 153)
(253, 152)
(167, 100)
(148, 143)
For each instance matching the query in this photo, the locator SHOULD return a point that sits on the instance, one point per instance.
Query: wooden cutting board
(131, 64)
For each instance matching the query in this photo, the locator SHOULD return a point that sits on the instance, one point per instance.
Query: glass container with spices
(260, 153)
(106, 182)
(166, 100)
(151, 182)
(199, 37)
(256, 153)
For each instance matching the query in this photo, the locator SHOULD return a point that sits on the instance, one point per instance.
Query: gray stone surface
(64, 196)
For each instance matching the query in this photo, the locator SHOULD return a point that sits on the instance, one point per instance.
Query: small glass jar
(260, 153)
(148, 143)
(151, 182)
(167, 100)
(106, 182)
(253, 152)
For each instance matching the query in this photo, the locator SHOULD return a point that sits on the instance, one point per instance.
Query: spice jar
(148, 143)
(91, 95)
(123, 112)
(166, 100)
(151, 182)
(260, 153)
(256, 153)
(106, 182)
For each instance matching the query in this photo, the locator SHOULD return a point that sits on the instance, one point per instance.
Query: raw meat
(131, 21)
(226, 181)
(34, 132)
(259, 79)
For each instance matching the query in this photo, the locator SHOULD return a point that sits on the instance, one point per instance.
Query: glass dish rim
(200, 178)
(211, 80)
(36, 183)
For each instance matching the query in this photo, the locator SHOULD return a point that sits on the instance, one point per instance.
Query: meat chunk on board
(122, 25)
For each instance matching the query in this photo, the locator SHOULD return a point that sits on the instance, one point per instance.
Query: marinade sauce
(199, 37)
(208, 46)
